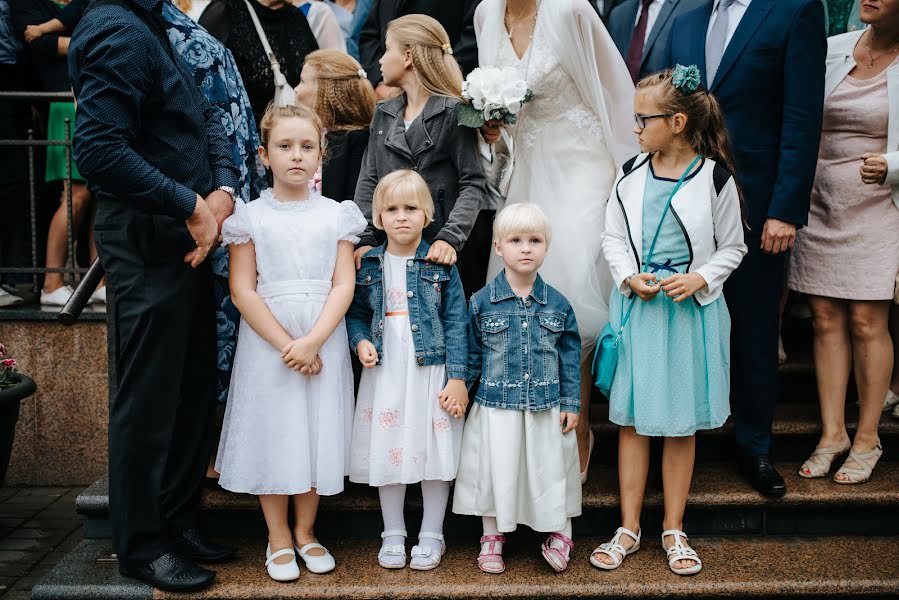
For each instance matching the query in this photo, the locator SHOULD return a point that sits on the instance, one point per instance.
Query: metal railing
(30, 143)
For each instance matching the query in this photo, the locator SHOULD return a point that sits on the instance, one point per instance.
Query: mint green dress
(673, 375)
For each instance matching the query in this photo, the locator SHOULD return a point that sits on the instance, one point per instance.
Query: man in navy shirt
(156, 155)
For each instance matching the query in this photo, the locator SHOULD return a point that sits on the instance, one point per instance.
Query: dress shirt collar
(745, 4)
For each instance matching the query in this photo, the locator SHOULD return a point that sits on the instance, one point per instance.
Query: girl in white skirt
(289, 414)
(519, 451)
(408, 325)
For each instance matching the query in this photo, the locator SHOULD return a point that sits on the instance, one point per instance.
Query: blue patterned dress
(216, 74)
(673, 375)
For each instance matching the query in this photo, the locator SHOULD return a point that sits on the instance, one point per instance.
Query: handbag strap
(655, 238)
(276, 68)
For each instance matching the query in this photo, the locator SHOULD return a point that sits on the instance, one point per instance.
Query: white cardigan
(840, 61)
(712, 223)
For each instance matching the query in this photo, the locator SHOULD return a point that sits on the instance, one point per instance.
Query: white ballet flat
(316, 564)
(392, 556)
(423, 557)
(286, 572)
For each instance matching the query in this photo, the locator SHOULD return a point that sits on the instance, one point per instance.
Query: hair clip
(685, 79)
(447, 48)
(362, 74)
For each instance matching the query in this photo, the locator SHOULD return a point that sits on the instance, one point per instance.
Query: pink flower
(9, 363)
(395, 456)
(366, 415)
(389, 419)
(441, 425)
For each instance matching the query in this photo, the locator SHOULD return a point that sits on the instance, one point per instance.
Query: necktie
(716, 42)
(635, 48)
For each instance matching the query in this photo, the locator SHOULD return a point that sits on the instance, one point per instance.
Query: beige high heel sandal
(862, 473)
(821, 460)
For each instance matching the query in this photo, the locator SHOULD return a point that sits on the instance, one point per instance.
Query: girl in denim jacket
(519, 451)
(408, 324)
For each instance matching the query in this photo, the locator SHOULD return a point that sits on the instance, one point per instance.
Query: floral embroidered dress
(284, 432)
(400, 433)
(216, 74)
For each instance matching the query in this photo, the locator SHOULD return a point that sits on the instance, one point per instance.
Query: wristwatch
(229, 190)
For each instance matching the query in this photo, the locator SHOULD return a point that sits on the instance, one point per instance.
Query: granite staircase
(822, 540)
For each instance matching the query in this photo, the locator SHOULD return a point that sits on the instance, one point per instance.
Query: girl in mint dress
(670, 247)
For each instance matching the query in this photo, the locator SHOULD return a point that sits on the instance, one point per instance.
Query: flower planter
(10, 399)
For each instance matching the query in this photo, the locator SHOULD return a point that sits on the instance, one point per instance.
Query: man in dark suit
(764, 61)
(604, 8)
(641, 29)
(457, 17)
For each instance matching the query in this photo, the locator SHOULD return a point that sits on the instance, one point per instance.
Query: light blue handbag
(605, 358)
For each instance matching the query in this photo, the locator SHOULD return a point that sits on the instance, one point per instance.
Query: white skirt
(285, 433)
(400, 433)
(517, 466)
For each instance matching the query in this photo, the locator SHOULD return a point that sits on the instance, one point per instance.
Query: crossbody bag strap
(276, 67)
(655, 238)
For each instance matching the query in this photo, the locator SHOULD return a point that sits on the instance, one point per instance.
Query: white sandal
(392, 551)
(423, 557)
(680, 552)
(615, 550)
(861, 473)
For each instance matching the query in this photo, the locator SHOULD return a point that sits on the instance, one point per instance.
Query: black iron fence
(71, 268)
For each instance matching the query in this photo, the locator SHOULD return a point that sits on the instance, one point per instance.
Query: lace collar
(268, 195)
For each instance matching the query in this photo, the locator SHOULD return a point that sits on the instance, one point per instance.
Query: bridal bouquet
(493, 94)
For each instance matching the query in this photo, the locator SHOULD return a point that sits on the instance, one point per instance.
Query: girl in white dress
(568, 145)
(408, 324)
(289, 415)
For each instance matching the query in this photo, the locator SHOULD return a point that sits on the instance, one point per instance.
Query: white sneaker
(286, 572)
(58, 297)
(8, 299)
(891, 400)
(99, 296)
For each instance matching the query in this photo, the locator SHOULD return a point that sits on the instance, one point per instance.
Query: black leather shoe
(762, 475)
(191, 544)
(171, 573)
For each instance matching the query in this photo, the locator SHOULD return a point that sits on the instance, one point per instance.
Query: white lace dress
(285, 433)
(563, 165)
(400, 433)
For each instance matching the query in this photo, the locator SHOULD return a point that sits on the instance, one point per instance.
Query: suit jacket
(456, 16)
(770, 85)
(607, 8)
(655, 50)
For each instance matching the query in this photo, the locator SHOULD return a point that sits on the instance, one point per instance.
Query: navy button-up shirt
(144, 133)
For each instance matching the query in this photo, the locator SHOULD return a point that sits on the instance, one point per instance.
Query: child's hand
(568, 421)
(645, 285)
(299, 353)
(358, 254)
(33, 32)
(681, 287)
(874, 170)
(454, 398)
(314, 369)
(368, 356)
(441, 253)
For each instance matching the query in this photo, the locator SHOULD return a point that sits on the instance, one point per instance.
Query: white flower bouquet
(493, 94)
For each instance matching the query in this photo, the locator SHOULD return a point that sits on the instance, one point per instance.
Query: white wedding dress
(568, 143)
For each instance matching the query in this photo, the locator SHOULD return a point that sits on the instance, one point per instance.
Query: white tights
(434, 494)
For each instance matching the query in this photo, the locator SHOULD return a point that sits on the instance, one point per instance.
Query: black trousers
(753, 297)
(475, 256)
(165, 360)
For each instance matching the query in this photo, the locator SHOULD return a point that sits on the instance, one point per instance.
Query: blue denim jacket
(437, 310)
(527, 352)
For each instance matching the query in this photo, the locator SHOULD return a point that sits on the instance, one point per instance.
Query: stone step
(720, 503)
(752, 567)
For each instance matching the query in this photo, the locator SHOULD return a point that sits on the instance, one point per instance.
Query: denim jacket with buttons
(437, 312)
(526, 352)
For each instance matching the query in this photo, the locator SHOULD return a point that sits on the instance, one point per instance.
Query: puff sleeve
(350, 222)
(238, 228)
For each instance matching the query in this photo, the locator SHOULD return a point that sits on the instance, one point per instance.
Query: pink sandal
(557, 557)
(491, 561)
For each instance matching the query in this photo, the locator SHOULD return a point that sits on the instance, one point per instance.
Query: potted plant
(14, 387)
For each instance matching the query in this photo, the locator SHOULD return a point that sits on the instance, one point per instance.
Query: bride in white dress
(568, 145)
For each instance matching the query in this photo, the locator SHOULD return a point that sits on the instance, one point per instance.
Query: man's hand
(441, 253)
(490, 130)
(386, 92)
(777, 236)
(568, 421)
(221, 204)
(682, 286)
(204, 230)
(359, 253)
(874, 171)
(367, 353)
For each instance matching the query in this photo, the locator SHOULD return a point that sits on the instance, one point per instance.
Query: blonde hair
(274, 113)
(521, 218)
(345, 100)
(429, 45)
(405, 184)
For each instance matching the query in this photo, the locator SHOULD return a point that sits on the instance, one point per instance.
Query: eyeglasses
(641, 119)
